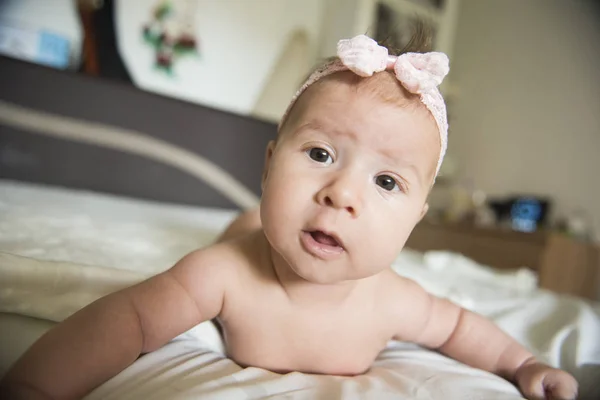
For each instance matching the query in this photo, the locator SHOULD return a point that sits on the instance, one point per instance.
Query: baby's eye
(320, 155)
(387, 182)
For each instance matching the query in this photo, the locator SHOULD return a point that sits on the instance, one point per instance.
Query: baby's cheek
(402, 221)
(279, 206)
(386, 242)
(400, 230)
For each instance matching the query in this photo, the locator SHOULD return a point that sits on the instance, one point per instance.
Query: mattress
(62, 248)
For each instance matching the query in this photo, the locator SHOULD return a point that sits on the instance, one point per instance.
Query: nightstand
(563, 265)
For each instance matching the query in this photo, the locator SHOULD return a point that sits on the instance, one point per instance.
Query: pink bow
(418, 72)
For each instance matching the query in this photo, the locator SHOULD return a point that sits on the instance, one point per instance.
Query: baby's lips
(326, 239)
(333, 235)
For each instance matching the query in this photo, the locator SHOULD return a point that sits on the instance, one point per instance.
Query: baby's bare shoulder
(404, 302)
(220, 265)
(218, 261)
(393, 288)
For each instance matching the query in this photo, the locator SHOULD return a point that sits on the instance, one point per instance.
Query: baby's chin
(329, 275)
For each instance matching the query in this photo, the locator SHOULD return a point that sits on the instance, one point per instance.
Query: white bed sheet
(52, 235)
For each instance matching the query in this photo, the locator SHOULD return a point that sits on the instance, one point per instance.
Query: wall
(527, 118)
(240, 42)
(285, 78)
(343, 19)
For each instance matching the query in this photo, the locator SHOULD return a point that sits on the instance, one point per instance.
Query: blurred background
(523, 93)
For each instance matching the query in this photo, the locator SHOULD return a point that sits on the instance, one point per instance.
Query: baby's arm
(105, 337)
(478, 342)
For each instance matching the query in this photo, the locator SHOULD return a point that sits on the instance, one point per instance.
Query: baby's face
(347, 181)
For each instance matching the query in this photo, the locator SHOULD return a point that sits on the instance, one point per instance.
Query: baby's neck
(301, 291)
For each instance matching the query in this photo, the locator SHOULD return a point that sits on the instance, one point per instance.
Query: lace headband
(419, 73)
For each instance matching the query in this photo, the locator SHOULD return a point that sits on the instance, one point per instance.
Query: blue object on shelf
(525, 214)
(37, 46)
(53, 50)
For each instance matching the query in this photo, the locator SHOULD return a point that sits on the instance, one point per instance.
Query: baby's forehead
(381, 89)
(383, 86)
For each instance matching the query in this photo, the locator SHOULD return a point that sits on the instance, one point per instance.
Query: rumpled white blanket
(61, 249)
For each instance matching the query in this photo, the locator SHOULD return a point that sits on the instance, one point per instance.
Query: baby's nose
(342, 194)
(340, 204)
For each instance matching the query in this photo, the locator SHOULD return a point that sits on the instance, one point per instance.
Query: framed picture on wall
(395, 19)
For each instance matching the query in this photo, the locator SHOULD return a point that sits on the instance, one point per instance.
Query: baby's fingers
(558, 385)
(541, 382)
(534, 389)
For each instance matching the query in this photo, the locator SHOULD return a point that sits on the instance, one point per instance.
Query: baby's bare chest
(281, 337)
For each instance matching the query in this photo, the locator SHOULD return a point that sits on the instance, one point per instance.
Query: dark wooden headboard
(67, 129)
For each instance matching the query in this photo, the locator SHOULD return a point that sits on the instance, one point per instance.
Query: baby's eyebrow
(311, 125)
(413, 168)
(319, 126)
(394, 160)
(389, 155)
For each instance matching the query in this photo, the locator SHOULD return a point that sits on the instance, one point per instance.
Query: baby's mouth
(326, 246)
(323, 238)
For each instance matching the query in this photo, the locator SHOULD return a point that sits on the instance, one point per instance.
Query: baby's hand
(540, 381)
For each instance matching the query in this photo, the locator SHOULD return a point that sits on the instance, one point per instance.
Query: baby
(344, 184)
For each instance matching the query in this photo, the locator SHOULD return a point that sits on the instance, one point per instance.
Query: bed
(103, 185)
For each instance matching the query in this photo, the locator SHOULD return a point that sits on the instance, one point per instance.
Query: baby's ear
(424, 211)
(268, 155)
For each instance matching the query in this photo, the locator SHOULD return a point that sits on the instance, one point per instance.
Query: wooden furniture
(562, 264)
